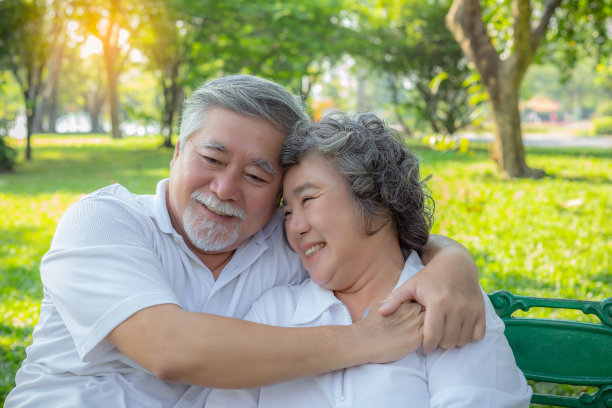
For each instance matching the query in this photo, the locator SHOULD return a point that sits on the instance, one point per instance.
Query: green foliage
(605, 108)
(12, 102)
(405, 39)
(445, 143)
(7, 155)
(603, 125)
(542, 238)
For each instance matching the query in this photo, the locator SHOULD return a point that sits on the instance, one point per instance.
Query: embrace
(145, 295)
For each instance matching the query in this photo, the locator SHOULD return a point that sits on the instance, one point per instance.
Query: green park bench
(561, 351)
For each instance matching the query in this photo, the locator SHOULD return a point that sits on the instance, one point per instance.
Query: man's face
(225, 181)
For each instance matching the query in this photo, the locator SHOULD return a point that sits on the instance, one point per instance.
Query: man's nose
(226, 185)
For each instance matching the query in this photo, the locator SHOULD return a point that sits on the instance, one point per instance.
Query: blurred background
(123, 67)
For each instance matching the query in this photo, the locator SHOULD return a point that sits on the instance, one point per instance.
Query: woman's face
(322, 224)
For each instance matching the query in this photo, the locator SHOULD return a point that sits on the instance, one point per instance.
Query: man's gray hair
(243, 94)
(382, 174)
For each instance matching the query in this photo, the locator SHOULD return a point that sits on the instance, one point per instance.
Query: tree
(111, 21)
(29, 31)
(166, 40)
(187, 41)
(10, 108)
(424, 65)
(289, 40)
(503, 58)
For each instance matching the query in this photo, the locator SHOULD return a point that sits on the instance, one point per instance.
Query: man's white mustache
(218, 206)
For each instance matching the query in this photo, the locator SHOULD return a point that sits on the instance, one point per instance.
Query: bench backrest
(561, 351)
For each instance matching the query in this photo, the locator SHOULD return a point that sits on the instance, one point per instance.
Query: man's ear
(177, 148)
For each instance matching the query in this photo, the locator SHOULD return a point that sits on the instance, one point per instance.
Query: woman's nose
(298, 224)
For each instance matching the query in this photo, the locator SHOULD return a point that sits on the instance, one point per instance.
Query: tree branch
(538, 32)
(464, 20)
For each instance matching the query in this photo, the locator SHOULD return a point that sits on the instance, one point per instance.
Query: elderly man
(143, 293)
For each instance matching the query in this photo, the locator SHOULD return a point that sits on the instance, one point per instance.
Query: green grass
(550, 237)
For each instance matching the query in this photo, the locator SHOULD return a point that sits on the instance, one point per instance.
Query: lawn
(550, 237)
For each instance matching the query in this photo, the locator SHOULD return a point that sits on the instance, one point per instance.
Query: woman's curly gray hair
(382, 174)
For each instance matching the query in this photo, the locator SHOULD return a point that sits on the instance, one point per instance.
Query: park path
(563, 135)
(548, 140)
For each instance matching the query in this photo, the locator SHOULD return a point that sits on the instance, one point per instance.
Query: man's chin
(215, 242)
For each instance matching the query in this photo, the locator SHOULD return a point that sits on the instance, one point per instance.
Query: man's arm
(222, 352)
(448, 288)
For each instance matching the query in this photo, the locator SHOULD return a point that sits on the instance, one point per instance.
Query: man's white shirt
(113, 254)
(481, 374)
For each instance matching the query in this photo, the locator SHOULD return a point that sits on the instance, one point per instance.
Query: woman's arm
(448, 288)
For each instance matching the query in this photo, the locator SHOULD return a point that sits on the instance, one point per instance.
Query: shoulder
(111, 200)
(277, 306)
(113, 196)
(112, 212)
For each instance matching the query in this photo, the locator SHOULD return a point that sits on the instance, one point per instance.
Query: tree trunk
(30, 123)
(396, 104)
(39, 125)
(95, 110)
(31, 97)
(94, 102)
(167, 122)
(508, 148)
(171, 92)
(113, 96)
(502, 78)
(52, 113)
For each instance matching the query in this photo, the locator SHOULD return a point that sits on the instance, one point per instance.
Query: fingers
(433, 328)
(472, 330)
(396, 335)
(479, 329)
(465, 335)
(405, 293)
(454, 327)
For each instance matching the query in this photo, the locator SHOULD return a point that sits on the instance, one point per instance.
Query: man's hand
(395, 336)
(448, 288)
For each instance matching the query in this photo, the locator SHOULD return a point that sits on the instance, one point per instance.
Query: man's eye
(255, 178)
(211, 160)
(305, 199)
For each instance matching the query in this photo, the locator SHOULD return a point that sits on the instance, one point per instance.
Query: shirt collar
(314, 300)
(160, 210)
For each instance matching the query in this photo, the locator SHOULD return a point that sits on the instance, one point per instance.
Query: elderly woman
(358, 214)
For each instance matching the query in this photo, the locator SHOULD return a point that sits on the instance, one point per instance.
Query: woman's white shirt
(481, 374)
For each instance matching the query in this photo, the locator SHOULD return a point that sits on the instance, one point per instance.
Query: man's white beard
(208, 235)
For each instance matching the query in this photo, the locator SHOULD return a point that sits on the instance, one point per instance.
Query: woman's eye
(305, 199)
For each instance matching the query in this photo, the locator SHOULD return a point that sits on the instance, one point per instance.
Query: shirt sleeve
(102, 268)
(481, 374)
